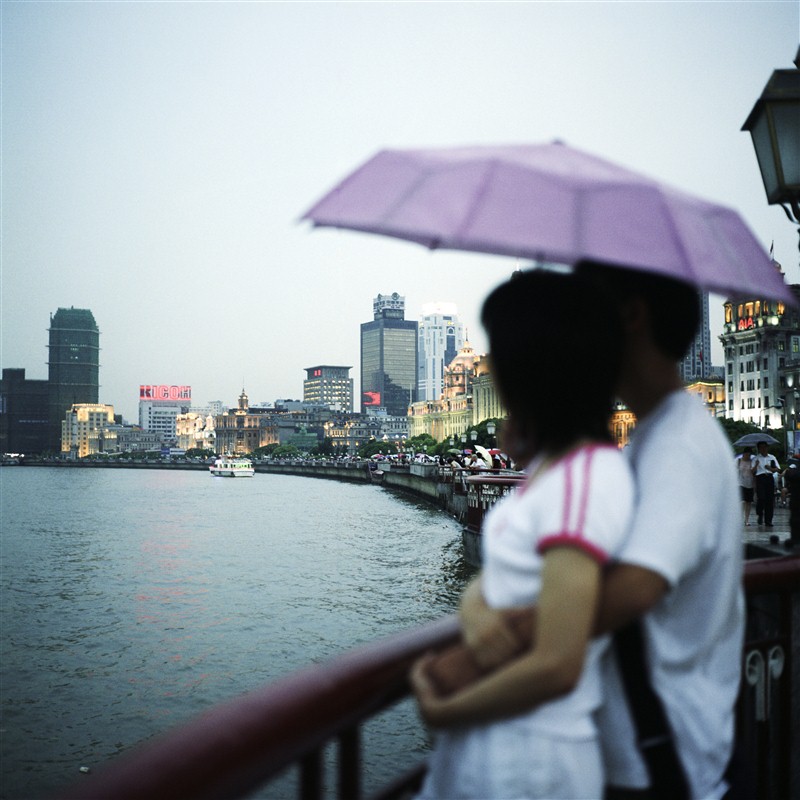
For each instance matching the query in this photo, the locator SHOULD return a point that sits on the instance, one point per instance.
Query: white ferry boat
(229, 467)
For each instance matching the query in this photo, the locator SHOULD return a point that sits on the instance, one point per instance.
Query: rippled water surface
(133, 600)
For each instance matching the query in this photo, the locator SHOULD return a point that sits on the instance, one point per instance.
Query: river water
(132, 600)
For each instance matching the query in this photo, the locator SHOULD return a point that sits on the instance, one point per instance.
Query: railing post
(311, 775)
(350, 764)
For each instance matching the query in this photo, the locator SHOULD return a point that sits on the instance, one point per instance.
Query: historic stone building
(761, 347)
(239, 432)
(468, 398)
(88, 429)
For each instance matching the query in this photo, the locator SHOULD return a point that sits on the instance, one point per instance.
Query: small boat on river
(228, 467)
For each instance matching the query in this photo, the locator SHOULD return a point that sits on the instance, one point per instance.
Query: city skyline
(157, 157)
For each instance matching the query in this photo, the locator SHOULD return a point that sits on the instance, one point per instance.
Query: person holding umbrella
(651, 247)
(766, 465)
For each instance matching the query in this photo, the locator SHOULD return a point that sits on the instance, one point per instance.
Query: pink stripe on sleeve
(569, 539)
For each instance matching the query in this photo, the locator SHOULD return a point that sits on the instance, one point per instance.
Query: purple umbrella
(550, 202)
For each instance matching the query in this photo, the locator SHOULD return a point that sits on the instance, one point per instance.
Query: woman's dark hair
(555, 343)
(673, 305)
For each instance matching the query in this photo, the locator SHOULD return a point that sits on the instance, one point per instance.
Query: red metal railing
(239, 746)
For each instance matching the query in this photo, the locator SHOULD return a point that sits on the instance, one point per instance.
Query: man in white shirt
(681, 568)
(765, 465)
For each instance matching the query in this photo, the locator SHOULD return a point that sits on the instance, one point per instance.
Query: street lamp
(473, 434)
(773, 124)
(490, 429)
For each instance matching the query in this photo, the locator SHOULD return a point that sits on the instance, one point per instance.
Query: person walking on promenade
(745, 466)
(765, 466)
(526, 730)
(680, 568)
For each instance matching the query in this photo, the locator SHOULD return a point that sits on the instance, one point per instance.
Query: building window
(766, 382)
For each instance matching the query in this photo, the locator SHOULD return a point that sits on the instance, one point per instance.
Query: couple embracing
(639, 549)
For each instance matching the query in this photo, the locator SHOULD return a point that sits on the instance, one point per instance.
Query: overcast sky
(157, 157)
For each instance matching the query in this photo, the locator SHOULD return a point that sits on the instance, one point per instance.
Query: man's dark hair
(674, 305)
(555, 345)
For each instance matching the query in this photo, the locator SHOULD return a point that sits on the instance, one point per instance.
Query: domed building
(454, 413)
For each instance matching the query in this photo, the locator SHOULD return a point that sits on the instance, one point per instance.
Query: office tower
(696, 364)
(388, 358)
(73, 365)
(441, 336)
(329, 386)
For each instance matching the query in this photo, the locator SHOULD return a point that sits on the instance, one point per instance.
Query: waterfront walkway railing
(244, 744)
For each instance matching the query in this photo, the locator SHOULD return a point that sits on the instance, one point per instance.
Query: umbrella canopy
(484, 454)
(752, 439)
(550, 202)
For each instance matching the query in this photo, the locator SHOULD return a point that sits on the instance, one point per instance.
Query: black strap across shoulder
(653, 732)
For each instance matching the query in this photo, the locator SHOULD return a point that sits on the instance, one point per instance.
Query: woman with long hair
(525, 729)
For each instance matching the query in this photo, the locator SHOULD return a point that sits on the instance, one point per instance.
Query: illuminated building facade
(244, 430)
(440, 338)
(331, 387)
(454, 412)
(73, 365)
(761, 345)
(88, 429)
(388, 358)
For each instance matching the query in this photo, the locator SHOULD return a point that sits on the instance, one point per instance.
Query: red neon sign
(164, 392)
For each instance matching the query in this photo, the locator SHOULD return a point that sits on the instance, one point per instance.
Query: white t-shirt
(686, 528)
(585, 500)
(762, 462)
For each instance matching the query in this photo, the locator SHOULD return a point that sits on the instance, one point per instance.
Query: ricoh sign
(165, 393)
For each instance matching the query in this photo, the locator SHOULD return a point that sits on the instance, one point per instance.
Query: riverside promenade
(761, 536)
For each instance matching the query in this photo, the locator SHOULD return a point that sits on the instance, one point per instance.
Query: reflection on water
(133, 600)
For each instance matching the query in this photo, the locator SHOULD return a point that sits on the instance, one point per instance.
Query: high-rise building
(329, 386)
(73, 365)
(440, 338)
(696, 364)
(388, 358)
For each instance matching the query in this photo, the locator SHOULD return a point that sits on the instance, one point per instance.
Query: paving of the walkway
(762, 535)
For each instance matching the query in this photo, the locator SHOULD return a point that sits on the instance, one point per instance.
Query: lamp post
(490, 429)
(773, 124)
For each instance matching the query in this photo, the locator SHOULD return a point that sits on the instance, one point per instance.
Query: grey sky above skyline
(157, 157)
